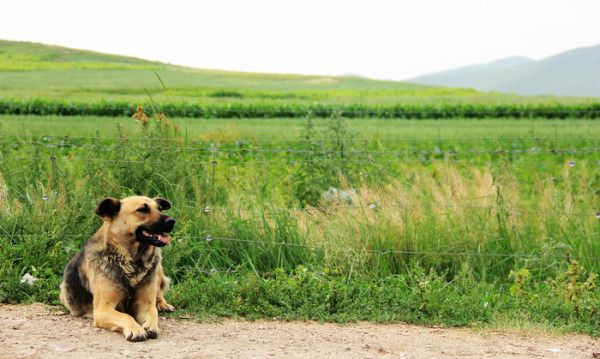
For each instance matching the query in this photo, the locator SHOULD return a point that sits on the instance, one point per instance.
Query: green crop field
(40, 79)
(460, 221)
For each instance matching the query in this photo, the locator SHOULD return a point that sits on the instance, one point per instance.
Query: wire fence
(215, 152)
(277, 138)
(347, 201)
(245, 149)
(210, 240)
(214, 156)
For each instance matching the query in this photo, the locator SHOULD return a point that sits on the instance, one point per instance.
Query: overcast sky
(381, 39)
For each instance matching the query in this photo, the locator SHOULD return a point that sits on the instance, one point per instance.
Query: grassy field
(262, 234)
(29, 71)
(492, 221)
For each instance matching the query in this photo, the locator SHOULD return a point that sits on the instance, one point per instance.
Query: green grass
(429, 132)
(474, 222)
(35, 71)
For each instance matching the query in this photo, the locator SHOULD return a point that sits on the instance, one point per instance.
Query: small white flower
(29, 279)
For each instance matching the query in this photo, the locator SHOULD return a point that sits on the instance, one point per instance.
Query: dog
(117, 277)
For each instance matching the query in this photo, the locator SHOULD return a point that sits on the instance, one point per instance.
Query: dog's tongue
(163, 238)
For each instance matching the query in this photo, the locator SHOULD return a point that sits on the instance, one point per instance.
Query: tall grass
(414, 236)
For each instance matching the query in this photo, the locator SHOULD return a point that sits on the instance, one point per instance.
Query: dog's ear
(108, 208)
(163, 204)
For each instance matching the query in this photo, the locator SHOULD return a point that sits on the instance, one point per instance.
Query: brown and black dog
(117, 277)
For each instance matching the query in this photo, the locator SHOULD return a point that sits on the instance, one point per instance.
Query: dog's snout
(169, 224)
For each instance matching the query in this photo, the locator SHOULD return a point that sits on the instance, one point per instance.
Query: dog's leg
(106, 299)
(163, 284)
(144, 307)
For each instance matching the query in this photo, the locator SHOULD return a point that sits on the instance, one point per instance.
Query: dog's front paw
(151, 330)
(165, 307)
(135, 334)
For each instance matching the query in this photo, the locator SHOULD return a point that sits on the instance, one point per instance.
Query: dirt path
(36, 331)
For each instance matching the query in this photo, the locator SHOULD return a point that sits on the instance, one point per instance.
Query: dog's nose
(169, 224)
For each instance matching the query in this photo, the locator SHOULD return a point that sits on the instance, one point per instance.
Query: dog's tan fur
(115, 278)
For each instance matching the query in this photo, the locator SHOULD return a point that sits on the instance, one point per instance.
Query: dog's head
(137, 218)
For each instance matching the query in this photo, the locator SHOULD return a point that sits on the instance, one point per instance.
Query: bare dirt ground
(37, 331)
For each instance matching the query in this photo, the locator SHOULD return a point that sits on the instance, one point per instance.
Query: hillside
(30, 70)
(572, 73)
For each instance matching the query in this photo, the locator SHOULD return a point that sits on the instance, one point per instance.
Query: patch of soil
(38, 331)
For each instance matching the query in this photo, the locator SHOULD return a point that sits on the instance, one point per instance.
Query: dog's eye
(144, 209)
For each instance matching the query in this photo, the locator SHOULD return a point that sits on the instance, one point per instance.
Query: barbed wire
(340, 202)
(209, 240)
(393, 251)
(214, 151)
(250, 150)
(373, 161)
(343, 205)
(295, 140)
(347, 200)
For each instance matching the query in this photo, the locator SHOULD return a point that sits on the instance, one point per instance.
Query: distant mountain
(571, 73)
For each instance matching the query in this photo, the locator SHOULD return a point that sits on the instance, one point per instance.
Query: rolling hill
(572, 73)
(32, 71)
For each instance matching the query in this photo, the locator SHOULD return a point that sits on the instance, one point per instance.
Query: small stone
(65, 348)
(18, 325)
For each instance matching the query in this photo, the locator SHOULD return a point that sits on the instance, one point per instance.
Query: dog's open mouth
(155, 239)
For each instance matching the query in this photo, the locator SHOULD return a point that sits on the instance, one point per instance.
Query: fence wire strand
(209, 240)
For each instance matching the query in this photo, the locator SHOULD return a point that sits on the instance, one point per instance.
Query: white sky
(381, 39)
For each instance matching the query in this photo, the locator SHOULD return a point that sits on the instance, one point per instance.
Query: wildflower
(140, 116)
(28, 279)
